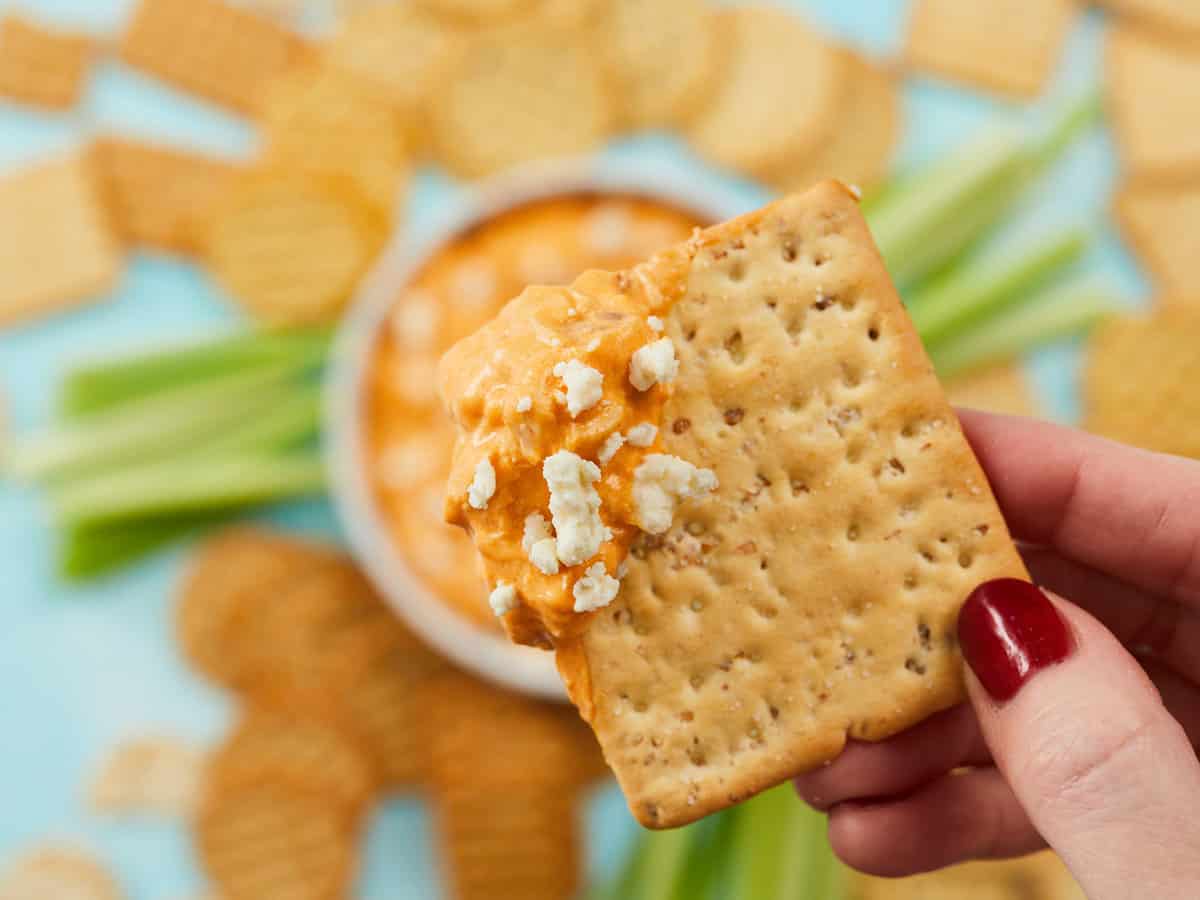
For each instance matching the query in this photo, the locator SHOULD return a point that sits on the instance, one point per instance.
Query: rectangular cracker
(1153, 99)
(1172, 16)
(160, 196)
(57, 249)
(1162, 224)
(41, 67)
(224, 54)
(812, 597)
(1008, 46)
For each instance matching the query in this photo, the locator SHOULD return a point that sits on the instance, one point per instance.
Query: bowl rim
(489, 655)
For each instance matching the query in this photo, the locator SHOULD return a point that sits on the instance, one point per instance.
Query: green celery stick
(94, 386)
(88, 553)
(1055, 313)
(981, 286)
(295, 420)
(153, 426)
(186, 487)
(706, 875)
(665, 857)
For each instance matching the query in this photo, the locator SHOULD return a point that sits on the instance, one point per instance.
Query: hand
(1083, 712)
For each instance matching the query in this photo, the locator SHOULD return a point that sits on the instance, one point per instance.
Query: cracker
(1139, 380)
(155, 775)
(810, 594)
(57, 250)
(1173, 16)
(224, 54)
(160, 196)
(292, 248)
(476, 12)
(41, 67)
(998, 389)
(1041, 876)
(227, 580)
(317, 119)
(778, 96)
(519, 94)
(1162, 224)
(52, 871)
(665, 57)
(1153, 95)
(1007, 46)
(861, 146)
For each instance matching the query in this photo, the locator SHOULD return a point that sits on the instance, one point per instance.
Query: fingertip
(853, 836)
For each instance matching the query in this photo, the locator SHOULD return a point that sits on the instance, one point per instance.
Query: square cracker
(1009, 46)
(224, 54)
(1173, 15)
(1162, 223)
(56, 249)
(41, 67)
(812, 597)
(1153, 98)
(160, 196)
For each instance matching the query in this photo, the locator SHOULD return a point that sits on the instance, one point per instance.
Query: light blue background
(82, 667)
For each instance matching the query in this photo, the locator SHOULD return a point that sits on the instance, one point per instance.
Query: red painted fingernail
(1008, 631)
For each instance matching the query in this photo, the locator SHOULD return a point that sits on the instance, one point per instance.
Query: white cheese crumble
(609, 448)
(596, 589)
(606, 230)
(584, 385)
(652, 364)
(539, 544)
(483, 485)
(642, 435)
(660, 484)
(474, 284)
(655, 323)
(503, 599)
(574, 506)
(593, 345)
(524, 404)
(414, 321)
(407, 463)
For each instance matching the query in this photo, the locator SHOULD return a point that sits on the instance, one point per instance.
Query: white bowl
(488, 654)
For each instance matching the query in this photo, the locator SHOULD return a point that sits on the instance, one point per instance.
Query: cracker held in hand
(739, 505)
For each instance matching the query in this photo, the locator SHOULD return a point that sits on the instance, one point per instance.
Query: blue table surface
(82, 667)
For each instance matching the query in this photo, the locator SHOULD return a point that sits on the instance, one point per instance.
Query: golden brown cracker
(1139, 380)
(41, 67)
(777, 97)
(51, 871)
(1153, 94)
(999, 389)
(666, 58)
(58, 250)
(155, 775)
(292, 247)
(860, 148)
(210, 48)
(1041, 876)
(1008, 46)
(318, 119)
(476, 12)
(160, 196)
(1162, 224)
(521, 93)
(1171, 16)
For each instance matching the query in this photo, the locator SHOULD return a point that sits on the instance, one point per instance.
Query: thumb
(1101, 768)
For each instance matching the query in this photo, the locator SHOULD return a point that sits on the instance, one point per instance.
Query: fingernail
(1009, 630)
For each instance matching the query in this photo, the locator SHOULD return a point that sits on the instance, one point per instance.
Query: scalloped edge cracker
(1009, 46)
(812, 597)
(40, 66)
(1153, 97)
(1162, 223)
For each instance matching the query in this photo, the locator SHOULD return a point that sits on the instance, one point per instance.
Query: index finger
(1130, 513)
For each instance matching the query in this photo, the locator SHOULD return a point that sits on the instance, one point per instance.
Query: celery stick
(153, 426)
(706, 875)
(94, 386)
(296, 419)
(780, 850)
(979, 287)
(187, 486)
(1055, 313)
(91, 552)
(664, 861)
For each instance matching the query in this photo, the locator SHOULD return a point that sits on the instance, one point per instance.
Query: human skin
(1088, 742)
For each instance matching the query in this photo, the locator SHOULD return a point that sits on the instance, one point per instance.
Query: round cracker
(158, 775)
(270, 839)
(51, 871)
(291, 248)
(319, 119)
(777, 98)
(860, 146)
(520, 94)
(666, 57)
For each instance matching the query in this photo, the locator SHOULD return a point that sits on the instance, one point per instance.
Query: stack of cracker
(342, 706)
